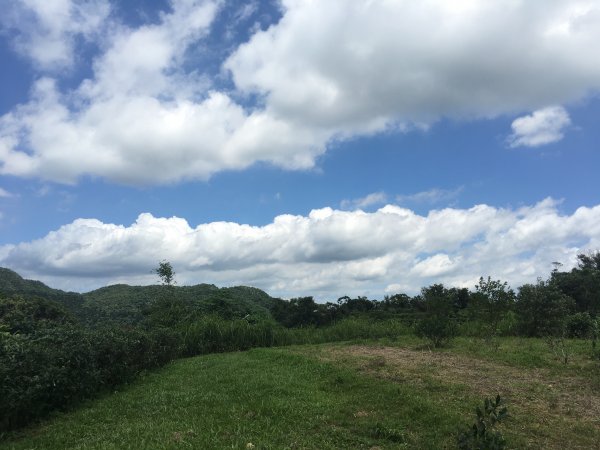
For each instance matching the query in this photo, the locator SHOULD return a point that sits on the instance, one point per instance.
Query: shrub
(482, 435)
(437, 329)
(437, 325)
(57, 367)
(542, 309)
(580, 325)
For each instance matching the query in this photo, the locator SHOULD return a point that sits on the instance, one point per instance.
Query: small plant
(594, 338)
(482, 435)
(559, 347)
(380, 431)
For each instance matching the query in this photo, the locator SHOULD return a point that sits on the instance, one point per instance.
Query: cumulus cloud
(544, 126)
(327, 253)
(375, 198)
(46, 31)
(326, 72)
(369, 64)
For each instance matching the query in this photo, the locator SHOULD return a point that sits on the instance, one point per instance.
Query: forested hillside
(124, 304)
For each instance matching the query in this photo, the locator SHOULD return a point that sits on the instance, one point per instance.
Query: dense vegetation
(58, 348)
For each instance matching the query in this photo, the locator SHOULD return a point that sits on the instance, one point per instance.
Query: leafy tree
(580, 325)
(165, 273)
(492, 300)
(396, 302)
(355, 305)
(582, 283)
(438, 324)
(542, 309)
(302, 311)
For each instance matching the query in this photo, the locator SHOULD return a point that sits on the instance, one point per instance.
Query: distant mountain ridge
(126, 304)
(11, 283)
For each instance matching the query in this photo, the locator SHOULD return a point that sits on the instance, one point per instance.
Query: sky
(305, 147)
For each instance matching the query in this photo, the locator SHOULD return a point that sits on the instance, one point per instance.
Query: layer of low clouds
(542, 127)
(328, 253)
(327, 71)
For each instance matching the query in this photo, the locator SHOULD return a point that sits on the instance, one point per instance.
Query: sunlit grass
(385, 394)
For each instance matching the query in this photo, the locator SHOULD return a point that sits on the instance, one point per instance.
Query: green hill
(11, 283)
(126, 304)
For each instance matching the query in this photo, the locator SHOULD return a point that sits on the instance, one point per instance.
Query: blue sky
(306, 148)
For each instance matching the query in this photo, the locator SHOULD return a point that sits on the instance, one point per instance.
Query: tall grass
(212, 334)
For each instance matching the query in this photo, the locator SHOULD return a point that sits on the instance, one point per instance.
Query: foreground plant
(482, 435)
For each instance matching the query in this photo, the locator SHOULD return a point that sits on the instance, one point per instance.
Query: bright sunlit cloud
(326, 72)
(328, 253)
(544, 126)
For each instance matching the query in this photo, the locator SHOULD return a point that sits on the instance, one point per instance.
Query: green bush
(542, 310)
(509, 324)
(482, 435)
(580, 325)
(437, 329)
(57, 367)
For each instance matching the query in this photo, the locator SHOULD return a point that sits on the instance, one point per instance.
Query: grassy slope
(396, 395)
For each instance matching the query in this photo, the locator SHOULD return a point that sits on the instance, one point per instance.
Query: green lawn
(363, 395)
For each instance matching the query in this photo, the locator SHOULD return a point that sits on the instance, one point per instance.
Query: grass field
(371, 394)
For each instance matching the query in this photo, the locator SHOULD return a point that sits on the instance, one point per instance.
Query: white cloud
(367, 65)
(328, 71)
(46, 31)
(327, 253)
(375, 198)
(544, 126)
(4, 193)
(431, 196)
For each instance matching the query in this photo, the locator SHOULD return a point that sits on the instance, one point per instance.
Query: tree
(165, 273)
(494, 299)
(582, 283)
(542, 309)
(438, 326)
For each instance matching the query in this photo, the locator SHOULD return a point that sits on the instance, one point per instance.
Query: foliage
(53, 368)
(58, 348)
(542, 309)
(580, 325)
(482, 434)
(559, 347)
(56, 367)
(492, 300)
(438, 325)
(165, 273)
(437, 329)
(303, 311)
(20, 315)
(582, 283)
